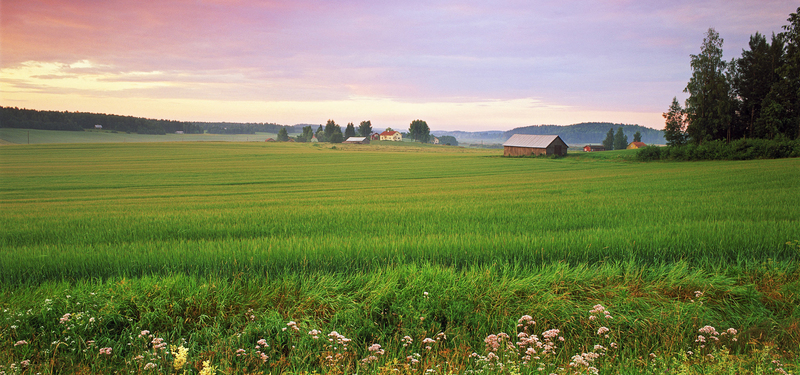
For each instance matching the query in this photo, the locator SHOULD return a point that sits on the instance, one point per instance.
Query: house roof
(355, 139)
(531, 141)
(393, 132)
(639, 144)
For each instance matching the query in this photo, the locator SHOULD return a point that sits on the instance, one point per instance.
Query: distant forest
(590, 132)
(12, 117)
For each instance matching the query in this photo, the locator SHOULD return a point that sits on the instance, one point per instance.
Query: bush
(649, 153)
(741, 149)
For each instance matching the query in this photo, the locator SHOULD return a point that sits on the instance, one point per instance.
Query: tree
(320, 134)
(365, 128)
(675, 126)
(419, 131)
(350, 131)
(336, 136)
(620, 140)
(307, 134)
(448, 140)
(330, 127)
(754, 75)
(608, 143)
(708, 108)
(786, 92)
(637, 137)
(283, 135)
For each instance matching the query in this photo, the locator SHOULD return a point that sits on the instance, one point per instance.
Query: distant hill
(590, 132)
(576, 135)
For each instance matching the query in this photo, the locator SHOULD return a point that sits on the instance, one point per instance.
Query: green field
(217, 245)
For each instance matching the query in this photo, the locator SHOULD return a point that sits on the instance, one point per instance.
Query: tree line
(754, 96)
(590, 132)
(13, 117)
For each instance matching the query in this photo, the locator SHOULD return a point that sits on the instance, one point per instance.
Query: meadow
(238, 252)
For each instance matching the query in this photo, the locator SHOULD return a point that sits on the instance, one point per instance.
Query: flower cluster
(181, 353)
(375, 350)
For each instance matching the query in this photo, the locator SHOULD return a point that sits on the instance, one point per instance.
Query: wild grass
(215, 246)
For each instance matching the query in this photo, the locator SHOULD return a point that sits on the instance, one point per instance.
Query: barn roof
(389, 132)
(532, 141)
(639, 144)
(355, 139)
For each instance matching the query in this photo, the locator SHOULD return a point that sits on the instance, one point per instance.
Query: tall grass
(215, 246)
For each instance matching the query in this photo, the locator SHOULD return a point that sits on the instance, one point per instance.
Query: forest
(754, 96)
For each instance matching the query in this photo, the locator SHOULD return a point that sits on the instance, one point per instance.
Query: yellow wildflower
(180, 357)
(208, 369)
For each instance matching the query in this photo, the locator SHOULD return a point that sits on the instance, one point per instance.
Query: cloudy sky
(459, 65)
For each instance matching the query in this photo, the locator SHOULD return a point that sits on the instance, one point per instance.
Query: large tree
(419, 131)
(786, 92)
(754, 75)
(608, 143)
(336, 136)
(350, 130)
(620, 140)
(709, 108)
(283, 135)
(330, 127)
(675, 125)
(365, 128)
(637, 137)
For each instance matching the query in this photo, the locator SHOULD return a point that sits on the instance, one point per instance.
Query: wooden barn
(357, 140)
(635, 145)
(593, 148)
(526, 144)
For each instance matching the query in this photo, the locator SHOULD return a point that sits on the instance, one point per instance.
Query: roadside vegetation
(301, 258)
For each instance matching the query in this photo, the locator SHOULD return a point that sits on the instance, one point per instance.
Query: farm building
(314, 139)
(98, 126)
(375, 137)
(391, 135)
(590, 148)
(635, 145)
(269, 140)
(357, 140)
(526, 144)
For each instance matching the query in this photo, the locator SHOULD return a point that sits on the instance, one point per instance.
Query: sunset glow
(458, 65)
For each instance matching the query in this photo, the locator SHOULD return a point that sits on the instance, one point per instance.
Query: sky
(458, 65)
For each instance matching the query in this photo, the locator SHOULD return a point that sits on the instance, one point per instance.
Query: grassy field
(214, 246)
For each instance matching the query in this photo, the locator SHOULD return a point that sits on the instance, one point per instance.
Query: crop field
(203, 257)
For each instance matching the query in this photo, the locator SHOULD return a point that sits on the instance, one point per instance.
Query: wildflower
(20, 342)
(180, 357)
(240, 351)
(293, 326)
(65, 318)
(150, 366)
(158, 343)
(407, 340)
(376, 348)
(208, 369)
(427, 341)
(25, 363)
(106, 351)
(602, 331)
(314, 334)
(144, 333)
(425, 294)
(262, 343)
